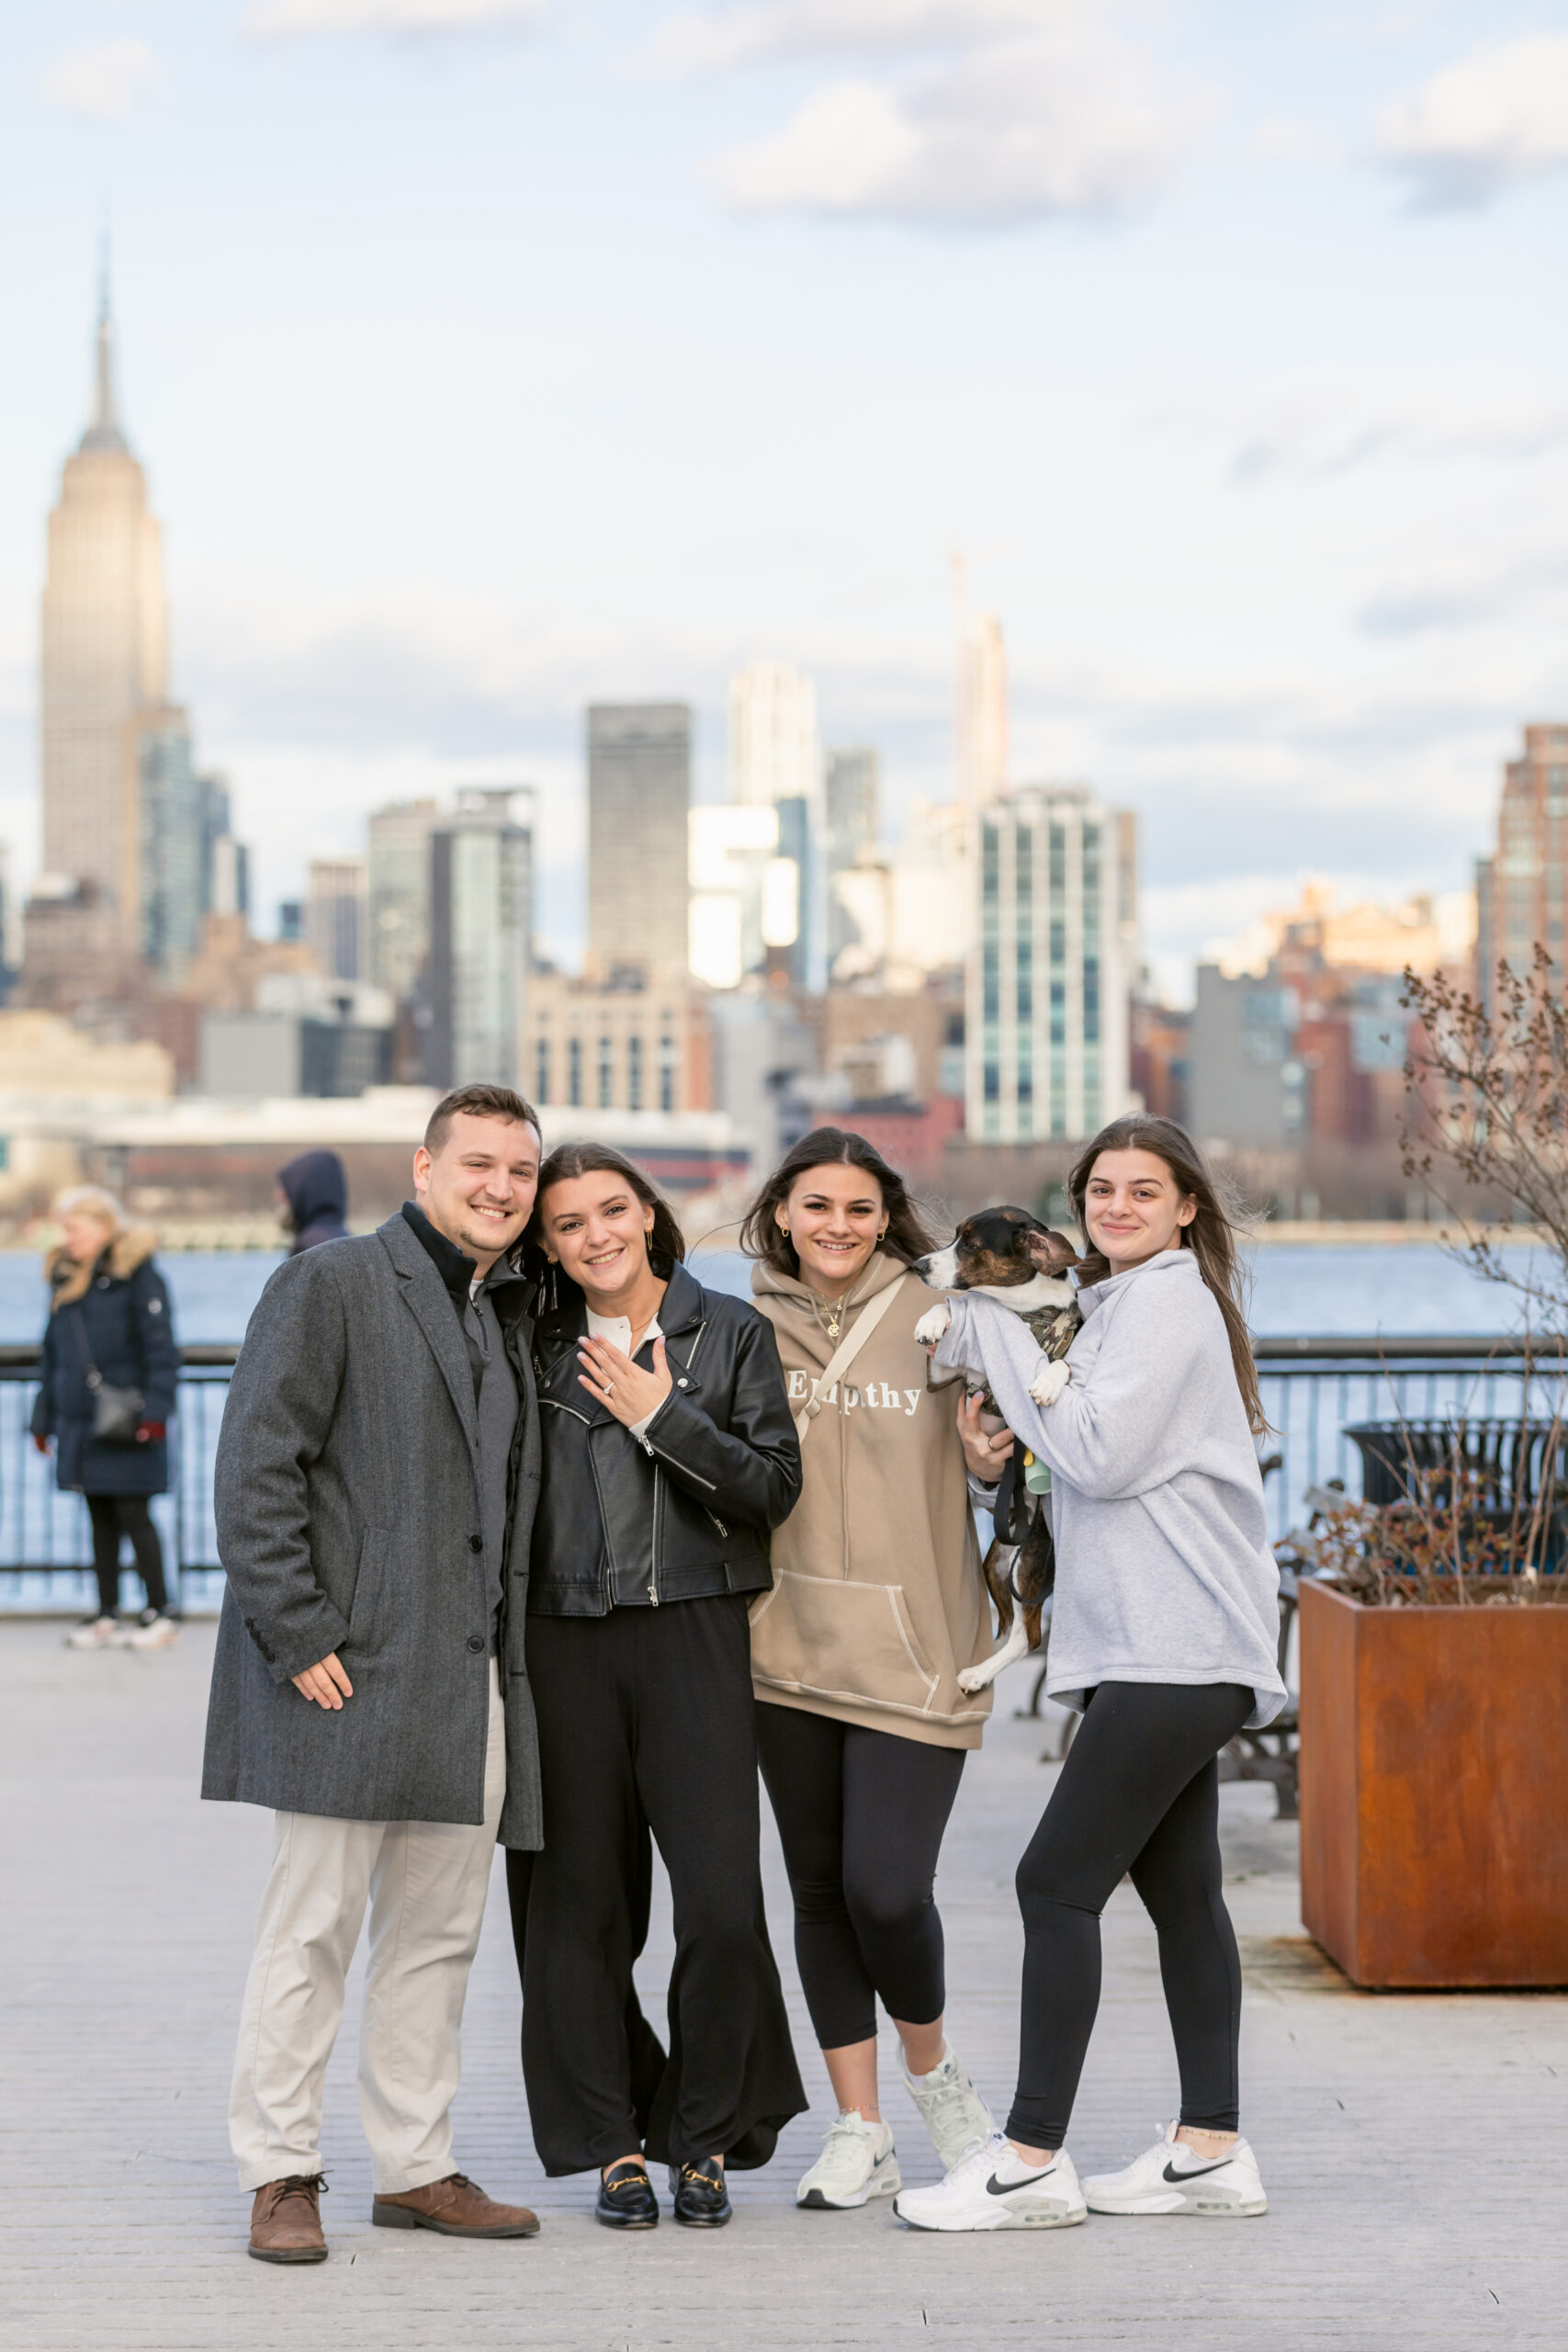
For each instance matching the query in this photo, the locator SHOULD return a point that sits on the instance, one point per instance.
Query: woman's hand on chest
(623, 1388)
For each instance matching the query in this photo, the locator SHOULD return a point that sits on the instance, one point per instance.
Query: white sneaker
(952, 2108)
(991, 2190)
(1171, 2177)
(857, 2163)
(152, 1633)
(92, 1633)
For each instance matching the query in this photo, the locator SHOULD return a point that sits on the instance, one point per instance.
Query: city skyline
(1263, 475)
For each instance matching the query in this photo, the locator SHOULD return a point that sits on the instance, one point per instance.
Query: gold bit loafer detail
(456, 2208)
(702, 2198)
(286, 2221)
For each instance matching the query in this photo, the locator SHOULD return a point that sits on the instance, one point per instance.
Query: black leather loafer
(702, 2198)
(626, 2201)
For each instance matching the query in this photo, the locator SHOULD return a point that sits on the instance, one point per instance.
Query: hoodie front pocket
(835, 1639)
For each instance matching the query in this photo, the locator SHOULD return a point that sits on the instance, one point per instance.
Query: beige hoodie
(877, 1601)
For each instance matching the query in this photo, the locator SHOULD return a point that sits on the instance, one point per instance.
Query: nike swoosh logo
(994, 2187)
(1175, 2178)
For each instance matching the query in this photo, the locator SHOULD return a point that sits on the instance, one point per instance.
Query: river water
(1409, 1288)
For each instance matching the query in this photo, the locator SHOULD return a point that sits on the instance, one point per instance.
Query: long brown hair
(666, 1242)
(1210, 1237)
(907, 1237)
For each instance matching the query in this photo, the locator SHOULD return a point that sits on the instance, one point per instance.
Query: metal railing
(46, 1547)
(1314, 1388)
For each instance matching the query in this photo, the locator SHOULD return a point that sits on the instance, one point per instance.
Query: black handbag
(117, 1413)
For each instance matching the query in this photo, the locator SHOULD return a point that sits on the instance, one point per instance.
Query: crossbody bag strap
(844, 1354)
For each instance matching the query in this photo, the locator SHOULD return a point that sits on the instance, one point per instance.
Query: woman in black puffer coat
(110, 1323)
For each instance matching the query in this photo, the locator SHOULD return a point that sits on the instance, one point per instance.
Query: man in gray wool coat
(376, 1476)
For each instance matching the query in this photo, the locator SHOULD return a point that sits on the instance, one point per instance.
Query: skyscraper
(105, 662)
(335, 921)
(775, 760)
(774, 752)
(169, 800)
(639, 787)
(481, 884)
(400, 893)
(851, 833)
(982, 710)
(1521, 893)
(1046, 1019)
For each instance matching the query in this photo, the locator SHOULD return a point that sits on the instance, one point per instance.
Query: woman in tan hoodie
(877, 1605)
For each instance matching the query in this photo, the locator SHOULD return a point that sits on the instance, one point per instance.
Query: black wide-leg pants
(645, 1723)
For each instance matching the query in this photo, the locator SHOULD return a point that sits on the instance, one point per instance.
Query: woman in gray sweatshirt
(1165, 1630)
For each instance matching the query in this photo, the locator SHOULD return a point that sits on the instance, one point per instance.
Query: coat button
(476, 1542)
(476, 1642)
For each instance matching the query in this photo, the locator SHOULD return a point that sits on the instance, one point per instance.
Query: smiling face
(595, 1229)
(478, 1188)
(1134, 1208)
(835, 1217)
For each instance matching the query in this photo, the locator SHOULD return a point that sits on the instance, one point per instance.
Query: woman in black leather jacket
(668, 1453)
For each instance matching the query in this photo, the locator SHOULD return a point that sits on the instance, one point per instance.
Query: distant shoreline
(192, 1237)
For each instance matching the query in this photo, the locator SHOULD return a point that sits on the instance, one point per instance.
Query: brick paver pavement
(1413, 2147)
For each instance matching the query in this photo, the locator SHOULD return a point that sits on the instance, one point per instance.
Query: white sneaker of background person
(149, 1632)
(92, 1633)
(857, 2163)
(993, 2189)
(952, 2108)
(1173, 2178)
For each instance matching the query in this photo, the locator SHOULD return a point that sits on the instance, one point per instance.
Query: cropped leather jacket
(681, 1513)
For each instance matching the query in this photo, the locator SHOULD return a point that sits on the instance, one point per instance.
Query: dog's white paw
(933, 1324)
(976, 1677)
(1049, 1382)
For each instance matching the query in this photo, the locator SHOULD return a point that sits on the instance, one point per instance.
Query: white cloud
(104, 81)
(1499, 116)
(1282, 139)
(284, 20)
(1008, 126)
(713, 41)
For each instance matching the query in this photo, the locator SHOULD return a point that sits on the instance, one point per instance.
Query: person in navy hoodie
(315, 1191)
(109, 1328)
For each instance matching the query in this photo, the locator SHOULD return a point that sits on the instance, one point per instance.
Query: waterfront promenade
(1414, 2147)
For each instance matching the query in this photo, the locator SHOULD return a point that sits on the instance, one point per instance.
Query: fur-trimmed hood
(68, 1280)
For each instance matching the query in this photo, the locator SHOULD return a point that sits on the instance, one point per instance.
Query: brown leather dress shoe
(286, 2221)
(456, 2207)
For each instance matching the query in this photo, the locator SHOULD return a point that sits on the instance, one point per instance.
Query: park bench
(1509, 1478)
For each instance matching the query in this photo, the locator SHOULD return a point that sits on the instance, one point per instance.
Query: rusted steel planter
(1434, 1791)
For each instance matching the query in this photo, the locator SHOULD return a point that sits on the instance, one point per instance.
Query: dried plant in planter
(1487, 1093)
(1447, 1543)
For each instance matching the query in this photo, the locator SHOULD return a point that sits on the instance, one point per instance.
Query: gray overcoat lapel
(425, 1295)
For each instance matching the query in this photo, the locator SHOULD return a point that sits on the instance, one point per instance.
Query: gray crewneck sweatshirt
(1164, 1572)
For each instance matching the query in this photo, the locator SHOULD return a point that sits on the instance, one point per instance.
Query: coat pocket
(830, 1638)
(364, 1609)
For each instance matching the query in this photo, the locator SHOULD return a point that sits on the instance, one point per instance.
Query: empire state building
(104, 658)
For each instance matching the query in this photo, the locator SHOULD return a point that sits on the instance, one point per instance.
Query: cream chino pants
(425, 1883)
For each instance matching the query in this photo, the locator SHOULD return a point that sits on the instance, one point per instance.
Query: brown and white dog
(1023, 1265)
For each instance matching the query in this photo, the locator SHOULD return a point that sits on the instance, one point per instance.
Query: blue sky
(488, 355)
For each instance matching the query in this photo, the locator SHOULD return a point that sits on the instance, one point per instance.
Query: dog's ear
(1052, 1253)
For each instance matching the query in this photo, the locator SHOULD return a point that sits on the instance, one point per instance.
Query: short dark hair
(909, 1234)
(480, 1102)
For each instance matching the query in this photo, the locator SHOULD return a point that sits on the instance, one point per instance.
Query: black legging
(1138, 1795)
(114, 1516)
(861, 1815)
